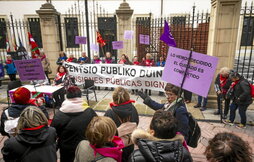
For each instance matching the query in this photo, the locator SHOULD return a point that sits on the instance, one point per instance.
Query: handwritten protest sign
(117, 44)
(200, 71)
(80, 40)
(128, 34)
(144, 39)
(30, 69)
(94, 47)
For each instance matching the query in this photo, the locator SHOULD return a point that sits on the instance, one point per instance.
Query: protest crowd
(80, 135)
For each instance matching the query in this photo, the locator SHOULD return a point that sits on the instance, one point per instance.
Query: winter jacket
(86, 152)
(160, 63)
(10, 68)
(14, 111)
(45, 64)
(123, 111)
(60, 59)
(71, 123)
(109, 61)
(242, 92)
(181, 114)
(218, 87)
(67, 81)
(34, 145)
(152, 149)
(83, 60)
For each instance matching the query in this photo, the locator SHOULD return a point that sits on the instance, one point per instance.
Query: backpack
(125, 130)
(194, 129)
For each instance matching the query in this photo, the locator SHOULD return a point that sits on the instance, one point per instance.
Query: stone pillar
(223, 32)
(124, 15)
(50, 33)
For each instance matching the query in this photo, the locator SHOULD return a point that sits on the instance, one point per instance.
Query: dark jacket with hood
(217, 84)
(123, 111)
(152, 149)
(242, 92)
(14, 111)
(71, 123)
(32, 146)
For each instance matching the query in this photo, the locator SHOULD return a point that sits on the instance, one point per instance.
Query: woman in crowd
(35, 141)
(124, 60)
(161, 62)
(174, 104)
(61, 79)
(71, 58)
(122, 111)
(10, 68)
(83, 59)
(148, 62)
(222, 84)
(96, 59)
(162, 141)
(108, 59)
(45, 64)
(62, 57)
(9, 117)
(228, 147)
(102, 144)
(71, 123)
(135, 60)
(240, 93)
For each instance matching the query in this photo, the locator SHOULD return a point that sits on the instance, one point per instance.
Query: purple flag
(167, 36)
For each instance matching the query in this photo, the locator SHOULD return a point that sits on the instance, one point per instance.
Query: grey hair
(224, 70)
(31, 117)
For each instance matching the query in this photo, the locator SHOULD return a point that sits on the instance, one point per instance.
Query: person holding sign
(175, 105)
(124, 60)
(135, 60)
(161, 62)
(96, 59)
(148, 61)
(10, 68)
(83, 59)
(62, 57)
(108, 59)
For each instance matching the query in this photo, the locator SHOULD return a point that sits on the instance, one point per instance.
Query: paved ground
(209, 129)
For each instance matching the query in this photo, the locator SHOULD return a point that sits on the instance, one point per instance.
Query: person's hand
(40, 102)
(219, 92)
(142, 95)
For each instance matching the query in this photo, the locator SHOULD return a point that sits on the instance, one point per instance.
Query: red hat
(22, 96)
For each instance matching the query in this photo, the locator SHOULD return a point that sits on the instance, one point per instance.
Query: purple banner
(200, 72)
(94, 47)
(117, 44)
(128, 34)
(30, 69)
(144, 39)
(80, 40)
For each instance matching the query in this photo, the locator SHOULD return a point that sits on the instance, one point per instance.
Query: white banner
(115, 75)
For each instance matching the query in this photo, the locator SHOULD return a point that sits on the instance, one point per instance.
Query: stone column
(223, 32)
(50, 33)
(124, 15)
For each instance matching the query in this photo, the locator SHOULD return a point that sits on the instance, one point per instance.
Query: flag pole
(12, 23)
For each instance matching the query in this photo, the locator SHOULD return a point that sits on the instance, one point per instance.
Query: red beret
(22, 96)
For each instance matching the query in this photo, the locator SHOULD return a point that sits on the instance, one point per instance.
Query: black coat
(242, 92)
(71, 127)
(160, 151)
(217, 84)
(37, 145)
(123, 111)
(14, 111)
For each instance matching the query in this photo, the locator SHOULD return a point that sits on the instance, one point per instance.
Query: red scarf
(122, 61)
(127, 102)
(60, 75)
(35, 128)
(136, 63)
(8, 61)
(234, 83)
(69, 60)
(148, 62)
(223, 81)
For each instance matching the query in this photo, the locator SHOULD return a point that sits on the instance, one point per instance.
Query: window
(179, 20)
(248, 31)
(35, 30)
(2, 33)
(71, 27)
